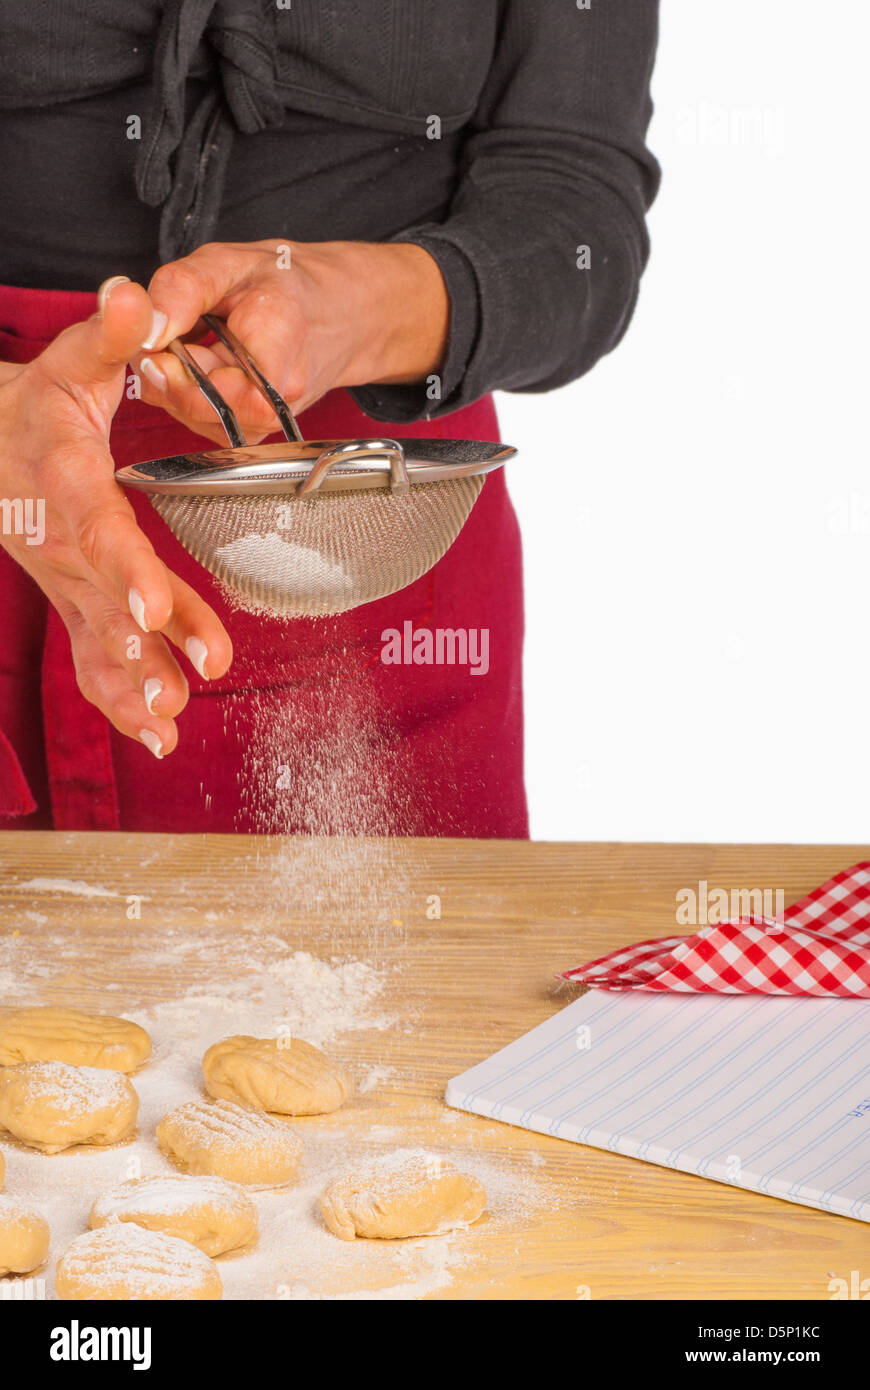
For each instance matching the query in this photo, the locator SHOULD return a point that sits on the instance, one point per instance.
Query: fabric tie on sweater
(242, 35)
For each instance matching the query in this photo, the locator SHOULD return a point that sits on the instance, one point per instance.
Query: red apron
(309, 731)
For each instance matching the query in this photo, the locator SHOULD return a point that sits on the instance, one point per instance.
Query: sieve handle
(389, 449)
(212, 394)
(236, 347)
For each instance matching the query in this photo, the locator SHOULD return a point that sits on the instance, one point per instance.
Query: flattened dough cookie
(24, 1238)
(407, 1193)
(51, 1106)
(231, 1142)
(209, 1212)
(67, 1035)
(128, 1262)
(285, 1076)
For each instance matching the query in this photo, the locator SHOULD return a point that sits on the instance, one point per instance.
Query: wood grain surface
(513, 914)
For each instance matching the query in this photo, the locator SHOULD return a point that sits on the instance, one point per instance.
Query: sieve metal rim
(282, 468)
(193, 491)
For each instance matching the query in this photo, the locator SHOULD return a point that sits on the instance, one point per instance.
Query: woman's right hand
(93, 562)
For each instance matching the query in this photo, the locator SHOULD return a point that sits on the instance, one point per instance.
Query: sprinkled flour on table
(76, 886)
(375, 1076)
(190, 987)
(296, 1257)
(295, 994)
(236, 982)
(324, 1000)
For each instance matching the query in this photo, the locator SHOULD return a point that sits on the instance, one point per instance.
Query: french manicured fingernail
(137, 608)
(152, 742)
(198, 653)
(159, 321)
(106, 289)
(152, 373)
(151, 690)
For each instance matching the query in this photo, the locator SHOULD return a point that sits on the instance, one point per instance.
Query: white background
(696, 510)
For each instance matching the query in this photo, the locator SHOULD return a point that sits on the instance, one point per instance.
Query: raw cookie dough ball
(128, 1262)
(284, 1075)
(23, 1238)
(408, 1193)
(231, 1142)
(51, 1106)
(67, 1035)
(211, 1213)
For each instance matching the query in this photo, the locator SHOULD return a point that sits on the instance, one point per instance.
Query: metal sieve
(312, 527)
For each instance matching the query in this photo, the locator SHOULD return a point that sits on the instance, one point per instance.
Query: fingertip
(153, 612)
(197, 655)
(126, 316)
(153, 742)
(154, 375)
(169, 700)
(210, 659)
(157, 334)
(152, 688)
(161, 739)
(106, 289)
(176, 292)
(136, 604)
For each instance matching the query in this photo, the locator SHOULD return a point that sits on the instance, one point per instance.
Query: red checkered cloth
(821, 946)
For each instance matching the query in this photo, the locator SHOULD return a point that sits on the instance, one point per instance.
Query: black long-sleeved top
(501, 135)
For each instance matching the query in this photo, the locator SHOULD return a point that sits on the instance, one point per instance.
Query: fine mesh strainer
(308, 528)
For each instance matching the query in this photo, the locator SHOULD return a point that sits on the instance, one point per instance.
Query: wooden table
(512, 916)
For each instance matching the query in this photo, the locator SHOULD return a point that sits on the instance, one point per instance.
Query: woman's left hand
(314, 315)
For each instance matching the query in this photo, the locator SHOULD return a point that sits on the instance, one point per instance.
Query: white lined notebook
(765, 1092)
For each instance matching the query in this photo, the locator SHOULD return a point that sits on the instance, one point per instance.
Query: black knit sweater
(504, 136)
